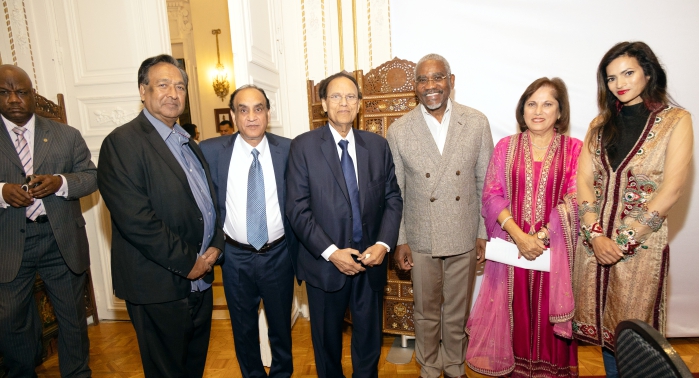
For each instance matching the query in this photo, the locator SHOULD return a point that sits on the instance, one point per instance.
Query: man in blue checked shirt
(165, 233)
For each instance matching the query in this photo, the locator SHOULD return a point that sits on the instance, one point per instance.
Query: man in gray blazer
(441, 151)
(42, 230)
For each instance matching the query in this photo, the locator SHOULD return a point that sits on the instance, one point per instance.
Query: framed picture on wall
(223, 114)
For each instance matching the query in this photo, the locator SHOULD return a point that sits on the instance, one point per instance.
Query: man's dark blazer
(157, 227)
(218, 152)
(58, 149)
(318, 204)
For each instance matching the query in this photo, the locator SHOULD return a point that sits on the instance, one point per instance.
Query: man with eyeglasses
(45, 169)
(441, 152)
(344, 204)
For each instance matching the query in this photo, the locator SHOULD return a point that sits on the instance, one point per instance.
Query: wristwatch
(541, 235)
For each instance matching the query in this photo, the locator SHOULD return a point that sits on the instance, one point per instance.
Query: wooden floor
(114, 353)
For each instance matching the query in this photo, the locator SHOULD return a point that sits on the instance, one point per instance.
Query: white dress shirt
(352, 151)
(29, 136)
(438, 129)
(235, 224)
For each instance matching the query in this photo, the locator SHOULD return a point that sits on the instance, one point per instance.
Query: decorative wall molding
(262, 49)
(117, 116)
(19, 46)
(180, 11)
(118, 63)
(179, 14)
(272, 92)
(9, 31)
(21, 36)
(99, 115)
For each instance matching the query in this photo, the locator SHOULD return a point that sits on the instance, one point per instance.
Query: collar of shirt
(337, 137)
(28, 135)
(261, 147)
(438, 129)
(164, 130)
(351, 147)
(426, 114)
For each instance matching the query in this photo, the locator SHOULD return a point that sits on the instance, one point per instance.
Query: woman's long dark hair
(654, 95)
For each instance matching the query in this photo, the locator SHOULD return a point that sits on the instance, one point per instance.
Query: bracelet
(592, 231)
(502, 225)
(654, 221)
(626, 239)
(545, 238)
(586, 207)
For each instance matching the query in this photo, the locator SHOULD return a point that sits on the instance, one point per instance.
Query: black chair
(641, 351)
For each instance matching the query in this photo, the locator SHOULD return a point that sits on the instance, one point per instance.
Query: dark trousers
(20, 325)
(248, 278)
(327, 311)
(173, 337)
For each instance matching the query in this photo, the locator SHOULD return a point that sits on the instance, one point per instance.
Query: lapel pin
(46, 140)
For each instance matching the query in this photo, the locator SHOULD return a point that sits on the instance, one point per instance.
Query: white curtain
(497, 48)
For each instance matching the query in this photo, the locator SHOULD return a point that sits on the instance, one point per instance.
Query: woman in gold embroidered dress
(631, 172)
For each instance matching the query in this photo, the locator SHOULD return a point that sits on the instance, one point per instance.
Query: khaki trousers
(443, 287)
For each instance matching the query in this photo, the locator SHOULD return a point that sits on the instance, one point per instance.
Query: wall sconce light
(220, 83)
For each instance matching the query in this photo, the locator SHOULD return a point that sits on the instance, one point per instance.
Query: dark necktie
(351, 182)
(257, 209)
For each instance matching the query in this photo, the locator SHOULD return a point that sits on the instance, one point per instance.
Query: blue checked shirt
(177, 141)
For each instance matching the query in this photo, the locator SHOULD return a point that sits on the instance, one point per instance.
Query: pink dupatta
(490, 324)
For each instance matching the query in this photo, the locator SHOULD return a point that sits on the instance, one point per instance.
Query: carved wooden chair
(387, 94)
(57, 112)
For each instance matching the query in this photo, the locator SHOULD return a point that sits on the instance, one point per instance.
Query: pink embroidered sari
(521, 322)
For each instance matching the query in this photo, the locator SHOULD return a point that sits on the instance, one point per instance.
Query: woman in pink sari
(521, 322)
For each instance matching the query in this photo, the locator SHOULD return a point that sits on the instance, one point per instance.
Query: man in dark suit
(42, 230)
(258, 264)
(165, 238)
(343, 198)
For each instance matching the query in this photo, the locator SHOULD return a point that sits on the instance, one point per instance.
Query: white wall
(497, 48)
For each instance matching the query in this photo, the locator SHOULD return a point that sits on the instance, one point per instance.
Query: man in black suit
(42, 230)
(255, 267)
(165, 237)
(343, 198)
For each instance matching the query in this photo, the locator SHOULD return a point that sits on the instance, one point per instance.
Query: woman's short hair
(560, 93)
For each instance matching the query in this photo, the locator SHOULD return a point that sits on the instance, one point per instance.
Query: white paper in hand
(505, 252)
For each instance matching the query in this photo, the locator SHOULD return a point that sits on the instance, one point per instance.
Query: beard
(433, 105)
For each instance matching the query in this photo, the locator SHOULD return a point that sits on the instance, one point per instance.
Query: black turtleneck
(631, 122)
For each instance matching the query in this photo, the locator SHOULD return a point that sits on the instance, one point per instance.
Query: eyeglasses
(423, 80)
(337, 98)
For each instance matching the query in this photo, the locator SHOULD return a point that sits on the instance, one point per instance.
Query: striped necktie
(37, 207)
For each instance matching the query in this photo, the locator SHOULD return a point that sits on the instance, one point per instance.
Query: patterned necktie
(353, 189)
(257, 209)
(37, 207)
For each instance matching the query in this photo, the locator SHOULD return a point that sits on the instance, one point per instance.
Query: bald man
(45, 169)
